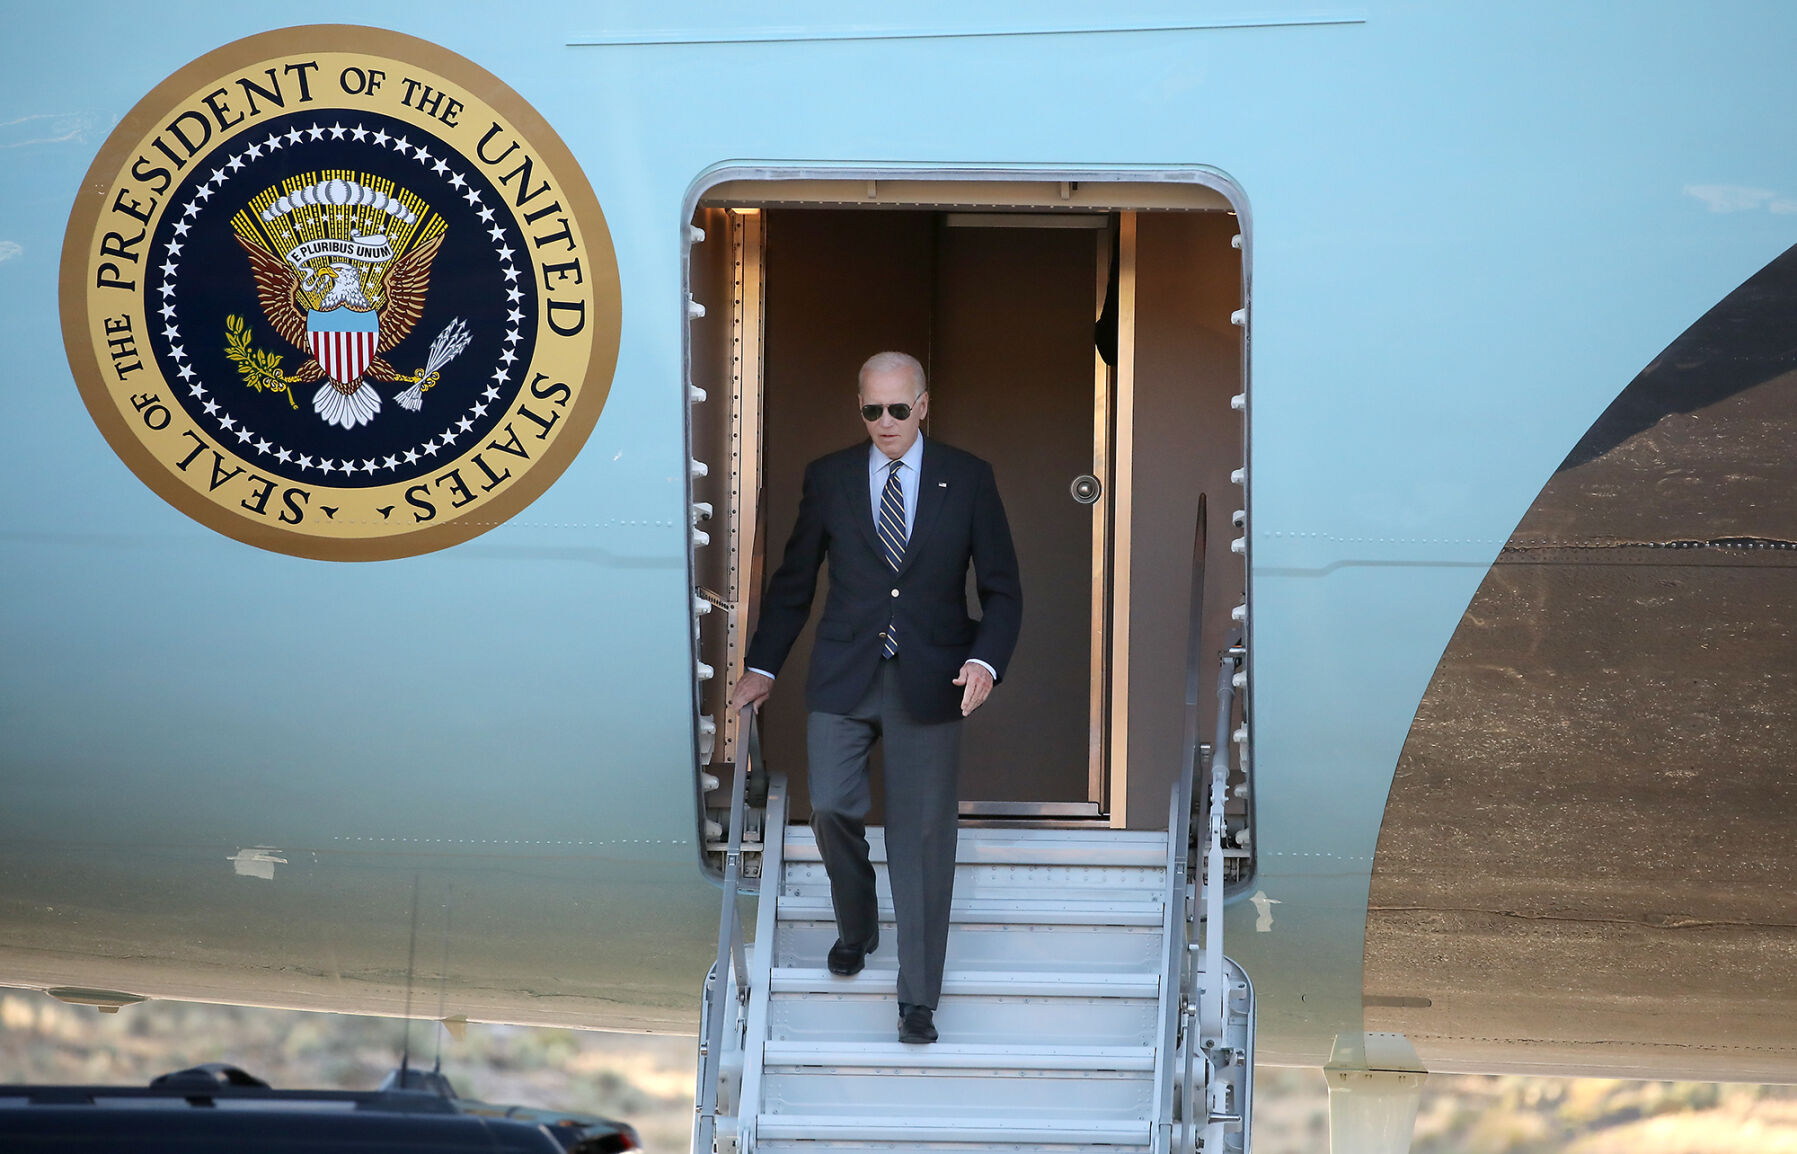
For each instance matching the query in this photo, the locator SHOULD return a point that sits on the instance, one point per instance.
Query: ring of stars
(248, 439)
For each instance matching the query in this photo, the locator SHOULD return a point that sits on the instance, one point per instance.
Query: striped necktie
(892, 536)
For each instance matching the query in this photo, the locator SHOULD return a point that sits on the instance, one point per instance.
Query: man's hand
(978, 681)
(753, 689)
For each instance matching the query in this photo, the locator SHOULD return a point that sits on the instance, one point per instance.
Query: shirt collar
(913, 458)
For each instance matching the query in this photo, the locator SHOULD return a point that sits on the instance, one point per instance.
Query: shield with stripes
(343, 339)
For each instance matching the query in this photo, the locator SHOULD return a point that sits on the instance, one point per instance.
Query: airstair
(1082, 1006)
(1086, 1003)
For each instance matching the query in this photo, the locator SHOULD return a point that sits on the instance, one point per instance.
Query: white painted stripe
(344, 356)
(797, 34)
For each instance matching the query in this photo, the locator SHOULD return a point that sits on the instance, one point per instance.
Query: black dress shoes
(917, 1025)
(845, 961)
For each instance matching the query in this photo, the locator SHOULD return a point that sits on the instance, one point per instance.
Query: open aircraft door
(1082, 337)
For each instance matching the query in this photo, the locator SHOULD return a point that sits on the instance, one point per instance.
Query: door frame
(746, 185)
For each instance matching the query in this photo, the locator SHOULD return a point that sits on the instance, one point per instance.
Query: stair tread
(805, 980)
(961, 1055)
(1019, 834)
(1044, 911)
(1001, 1129)
(1020, 847)
(1060, 1055)
(843, 1144)
(1066, 896)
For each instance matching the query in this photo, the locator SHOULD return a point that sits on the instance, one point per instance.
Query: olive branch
(261, 370)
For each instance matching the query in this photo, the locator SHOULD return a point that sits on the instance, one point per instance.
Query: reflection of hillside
(1756, 1126)
(647, 1080)
(1514, 1115)
(1473, 1114)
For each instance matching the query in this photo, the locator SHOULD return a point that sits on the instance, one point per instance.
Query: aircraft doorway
(1012, 380)
(1000, 302)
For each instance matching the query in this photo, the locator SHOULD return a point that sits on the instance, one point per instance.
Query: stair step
(802, 942)
(948, 1092)
(892, 1056)
(997, 1132)
(1020, 847)
(855, 1146)
(1050, 1012)
(810, 906)
(1068, 883)
(855, 1016)
(801, 980)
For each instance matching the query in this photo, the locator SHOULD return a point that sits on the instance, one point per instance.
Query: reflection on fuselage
(1587, 846)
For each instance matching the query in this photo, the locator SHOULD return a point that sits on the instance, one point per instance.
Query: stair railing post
(1169, 1083)
(1212, 1003)
(1179, 816)
(706, 1093)
(760, 981)
(731, 959)
(1209, 981)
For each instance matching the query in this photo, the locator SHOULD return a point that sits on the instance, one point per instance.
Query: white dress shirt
(879, 465)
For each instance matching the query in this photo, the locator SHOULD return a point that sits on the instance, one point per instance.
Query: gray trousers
(923, 762)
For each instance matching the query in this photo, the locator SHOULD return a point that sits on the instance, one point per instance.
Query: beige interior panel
(1188, 363)
(840, 286)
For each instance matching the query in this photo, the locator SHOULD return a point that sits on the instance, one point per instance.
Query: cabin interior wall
(841, 284)
(1187, 441)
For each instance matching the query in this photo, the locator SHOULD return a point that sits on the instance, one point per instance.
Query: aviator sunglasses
(900, 411)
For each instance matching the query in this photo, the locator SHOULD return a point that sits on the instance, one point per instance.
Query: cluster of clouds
(340, 193)
(1740, 198)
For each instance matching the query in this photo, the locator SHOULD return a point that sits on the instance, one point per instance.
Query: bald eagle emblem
(342, 267)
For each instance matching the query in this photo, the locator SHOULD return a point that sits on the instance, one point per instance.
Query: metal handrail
(1195, 988)
(1179, 829)
(1179, 818)
(731, 957)
(1211, 1020)
(1205, 986)
(761, 969)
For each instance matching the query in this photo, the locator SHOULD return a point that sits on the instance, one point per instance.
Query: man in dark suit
(897, 658)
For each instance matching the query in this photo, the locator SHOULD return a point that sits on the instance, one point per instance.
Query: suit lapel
(930, 497)
(861, 498)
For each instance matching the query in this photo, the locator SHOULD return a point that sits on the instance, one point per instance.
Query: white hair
(889, 362)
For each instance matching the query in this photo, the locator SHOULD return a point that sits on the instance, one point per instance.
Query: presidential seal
(337, 292)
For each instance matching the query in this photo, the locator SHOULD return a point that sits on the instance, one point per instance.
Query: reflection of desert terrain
(1585, 858)
(647, 1080)
(1473, 1114)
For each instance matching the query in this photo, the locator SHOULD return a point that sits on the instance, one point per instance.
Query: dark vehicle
(217, 1108)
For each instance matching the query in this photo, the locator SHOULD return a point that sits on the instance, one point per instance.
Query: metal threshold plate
(1030, 809)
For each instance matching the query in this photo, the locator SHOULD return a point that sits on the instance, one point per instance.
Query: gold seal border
(92, 201)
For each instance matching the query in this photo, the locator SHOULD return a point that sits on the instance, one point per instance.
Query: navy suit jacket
(959, 521)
